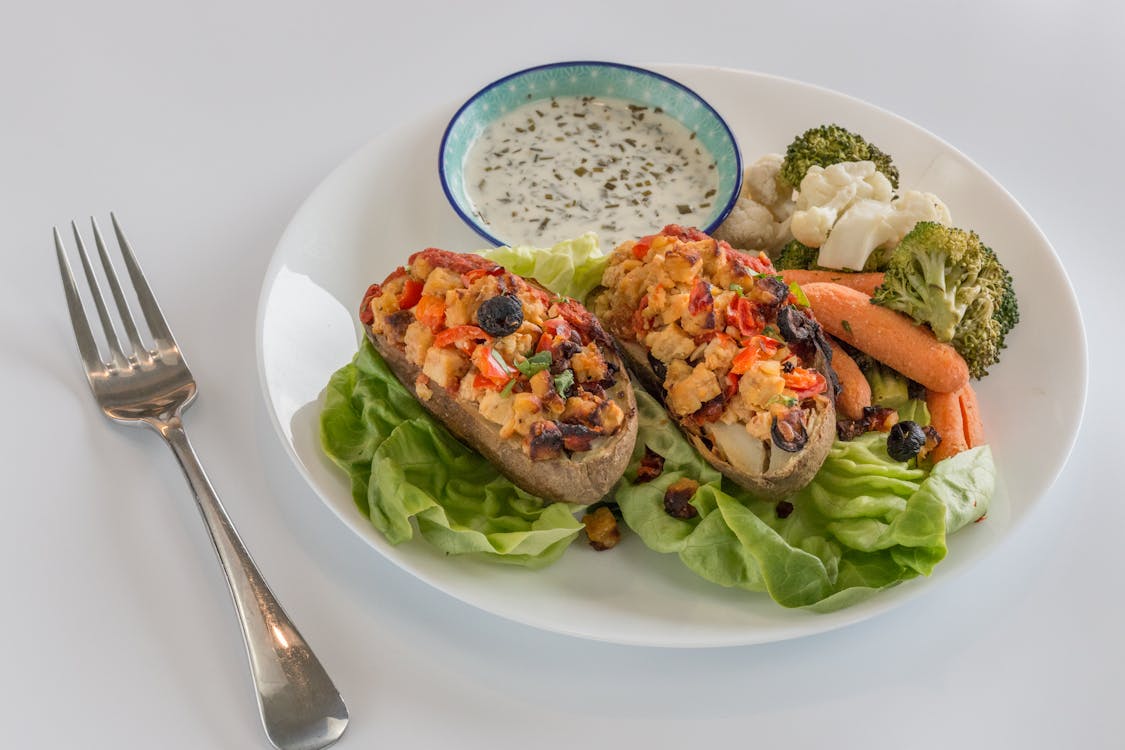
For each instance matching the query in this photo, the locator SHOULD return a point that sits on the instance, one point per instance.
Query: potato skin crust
(581, 480)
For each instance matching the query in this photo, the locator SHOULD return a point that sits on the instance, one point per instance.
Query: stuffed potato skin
(741, 367)
(529, 380)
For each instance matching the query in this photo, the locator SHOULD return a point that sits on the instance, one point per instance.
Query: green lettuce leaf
(571, 268)
(865, 522)
(405, 465)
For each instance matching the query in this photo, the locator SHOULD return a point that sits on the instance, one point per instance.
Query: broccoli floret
(832, 144)
(878, 259)
(888, 387)
(795, 256)
(891, 389)
(1007, 310)
(948, 279)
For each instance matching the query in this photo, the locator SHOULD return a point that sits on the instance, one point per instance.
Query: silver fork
(151, 385)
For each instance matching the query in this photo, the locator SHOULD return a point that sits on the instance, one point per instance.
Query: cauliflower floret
(915, 206)
(760, 217)
(826, 192)
(869, 225)
(847, 211)
(863, 227)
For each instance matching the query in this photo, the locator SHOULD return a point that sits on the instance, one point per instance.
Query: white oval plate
(385, 202)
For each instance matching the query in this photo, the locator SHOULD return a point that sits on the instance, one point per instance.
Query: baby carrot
(956, 417)
(855, 391)
(970, 416)
(863, 282)
(946, 418)
(888, 336)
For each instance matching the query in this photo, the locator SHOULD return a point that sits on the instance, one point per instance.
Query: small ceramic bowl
(604, 80)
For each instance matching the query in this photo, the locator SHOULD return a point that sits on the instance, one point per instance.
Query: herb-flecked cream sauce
(553, 169)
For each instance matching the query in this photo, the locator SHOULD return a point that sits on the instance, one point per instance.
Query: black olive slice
(789, 431)
(500, 316)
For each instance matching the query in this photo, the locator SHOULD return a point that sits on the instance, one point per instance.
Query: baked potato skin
(782, 472)
(581, 480)
(582, 476)
(770, 485)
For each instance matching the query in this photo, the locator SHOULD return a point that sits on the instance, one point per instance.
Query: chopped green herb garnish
(535, 363)
(736, 288)
(507, 391)
(802, 300)
(563, 382)
(847, 326)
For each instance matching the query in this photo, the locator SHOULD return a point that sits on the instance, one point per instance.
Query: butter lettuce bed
(866, 522)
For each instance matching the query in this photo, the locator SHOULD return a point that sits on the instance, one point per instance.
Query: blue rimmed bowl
(606, 80)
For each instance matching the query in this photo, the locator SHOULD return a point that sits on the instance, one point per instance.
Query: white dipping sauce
(553, 169)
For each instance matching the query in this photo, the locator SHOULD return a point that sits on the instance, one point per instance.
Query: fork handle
(296, 697)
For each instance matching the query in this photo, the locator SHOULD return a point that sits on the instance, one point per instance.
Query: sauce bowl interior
(596, 79)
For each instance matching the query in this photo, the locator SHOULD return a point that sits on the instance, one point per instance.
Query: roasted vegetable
(949, 280)
(832, 144)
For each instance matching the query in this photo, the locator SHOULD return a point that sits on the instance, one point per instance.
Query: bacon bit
(652, 466)
(770, 291)
(544, 441)
(583, 322)
(711, 410)
(456, 262)
(396, 324)
(881, 419)
(933, 440)
(465, 338)
(430, 311)
(677, 499)
(577, 438)
(601, 528)
(411, 293)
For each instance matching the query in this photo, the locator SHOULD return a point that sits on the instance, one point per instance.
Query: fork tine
(87, 347)
(149, 307)
(99, 301)
(115, 287)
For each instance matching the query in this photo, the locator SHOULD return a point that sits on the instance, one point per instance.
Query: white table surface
(204, 126)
